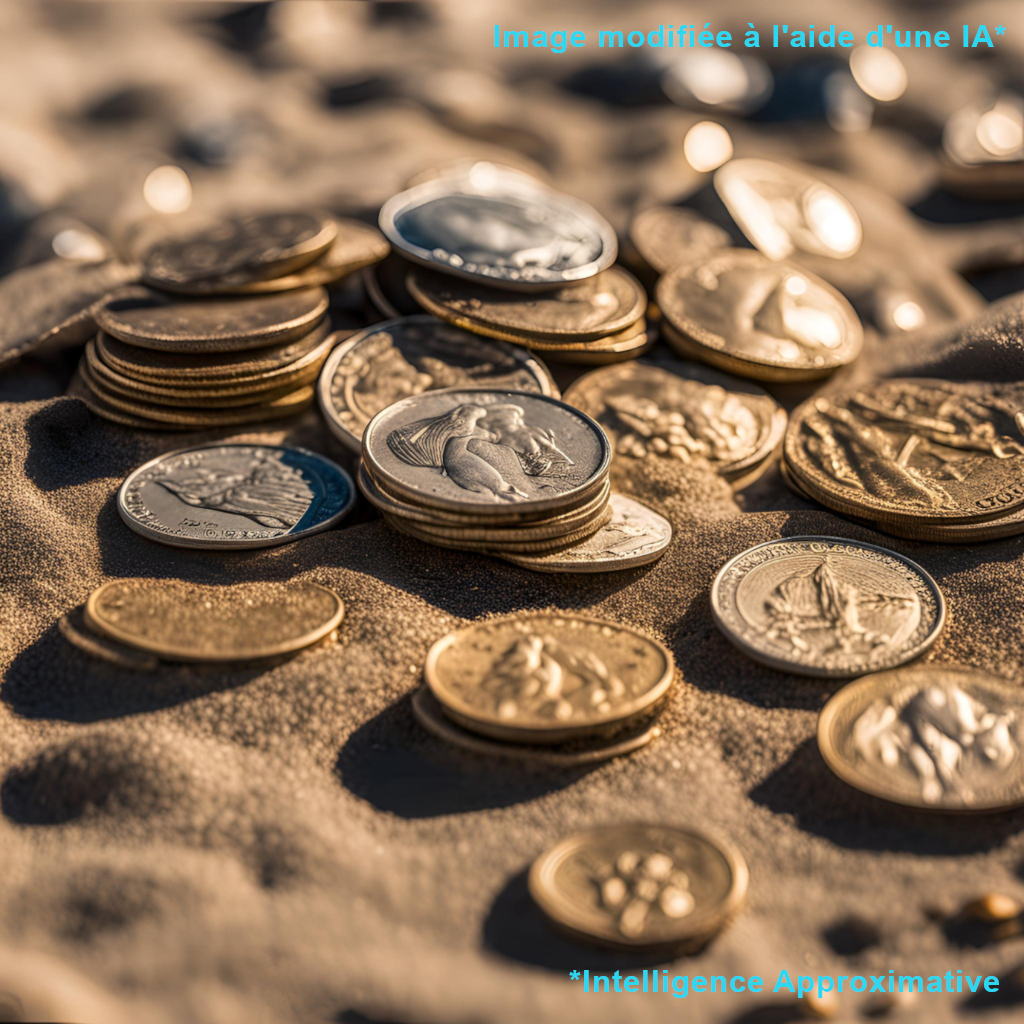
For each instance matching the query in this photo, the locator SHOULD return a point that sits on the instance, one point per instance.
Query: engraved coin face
(487, 451)
(180, 621)
(688, 411)
(928, 449)
(640, 886)
(941, 737)
(547, 678)
(741, 311)
(669, 236)
(235, 496)
(823, 606)
(409, 356)
(496, 225)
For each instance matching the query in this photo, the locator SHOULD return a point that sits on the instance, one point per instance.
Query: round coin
(941, 737)
(771, 321)
(235, 496)
(181, 621)
(827, 607)
(669, 236)
(640, 886)
(548, 677)
(486, 451)
(409, 356)
(499, 226)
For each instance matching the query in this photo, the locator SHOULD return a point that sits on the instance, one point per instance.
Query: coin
(679, 411)
(181, 621)
(607, 303)
(484, 450)
(669, 236)
(927, 451)
(640, 886)
(634, 536)
(147, 319)
(941, 737)
(235, 496)
(237, 251)
(73, 629)
(399, 358)
(499, 226)
(827, 607)
(771, 321)
(547, 677)
(385, 285)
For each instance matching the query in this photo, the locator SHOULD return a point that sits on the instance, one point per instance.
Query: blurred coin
(669, 236)
(984, 142)
(771, 321)
(827, 607)
(499, 227)
(940, 737)
(399, 358)
(640, 886)
(73, 629)
(235, 496)
(181, 621)
(547, 677)
(385, 285)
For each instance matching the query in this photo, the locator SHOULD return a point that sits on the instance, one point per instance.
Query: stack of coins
(550, 686)
(233, 327)
(923, 459)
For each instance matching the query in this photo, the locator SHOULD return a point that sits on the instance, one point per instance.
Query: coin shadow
(820, 803)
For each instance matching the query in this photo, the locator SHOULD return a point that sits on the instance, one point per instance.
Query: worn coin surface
(235, 496)
(497, 225)
(679, 411)
(635, 535)
(772, 321)
(827, 607)
(668, 236)
(487, 451)
(640, 886)
(400, 358)
(942, 737)
(926, 451)
(548, 677)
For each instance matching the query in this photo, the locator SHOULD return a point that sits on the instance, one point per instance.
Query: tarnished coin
(499, 226)
(409, 356)
(237, 251)
(147, 319)
(641, 886)
(669, 236)
(385, 285)
(680, 412)
(634, 536)
(547, 677)
(771, 321)
(180, 621)
(941, 737)
(606, 304)
(827, 607)
(925, 451)
(235, 496)
(486, 451)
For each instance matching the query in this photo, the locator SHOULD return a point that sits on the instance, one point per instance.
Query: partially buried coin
(547, 678)
(941, 737)
(180, 621)
(399, 358)
(827, 607)
(640, 886)
(235, 496)
(669, 236)
(500, 226)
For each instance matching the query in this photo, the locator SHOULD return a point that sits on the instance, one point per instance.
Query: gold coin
(73, 629)
(669, 236)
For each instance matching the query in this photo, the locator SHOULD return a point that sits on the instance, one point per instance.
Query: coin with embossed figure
(548, 677)
(182, 621)
(400, 358)
(827, 607)
(640, 886)
(668, 236)
(235, 496)
(941, 737)
(740, 311)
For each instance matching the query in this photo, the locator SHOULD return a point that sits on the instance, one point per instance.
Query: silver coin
(487, 451)
(235, 496)
(408, 356)
(499, 226)
(827, 607)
